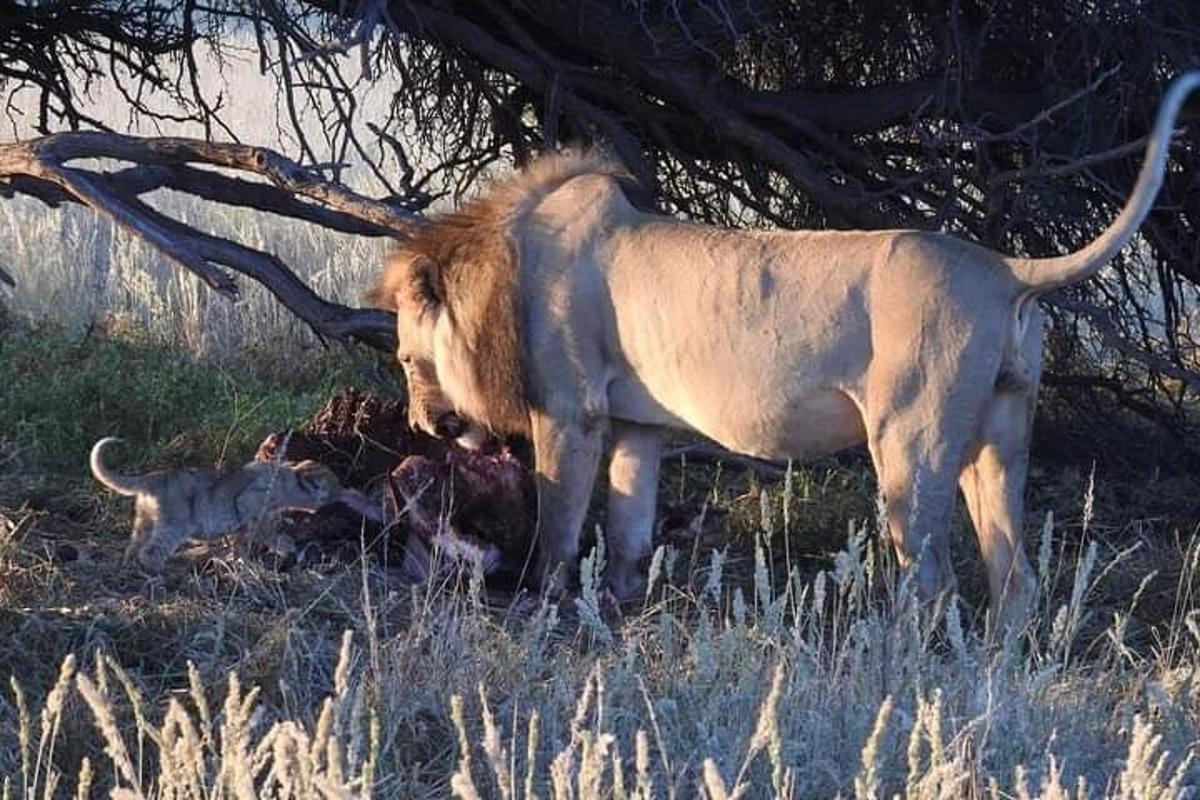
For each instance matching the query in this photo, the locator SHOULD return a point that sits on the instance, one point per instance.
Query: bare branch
(282, 172)
(1102, 321)
(38, 168)
(90, 192)
(205, 184)
(375, 328)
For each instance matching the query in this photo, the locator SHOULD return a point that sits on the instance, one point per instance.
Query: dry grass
(799, 689)
(770, 659)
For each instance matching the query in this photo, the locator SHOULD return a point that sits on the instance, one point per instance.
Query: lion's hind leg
(918, 435)
(919, 492)
(141, 535)
(159, 545)
(154, 537)
(993, 484)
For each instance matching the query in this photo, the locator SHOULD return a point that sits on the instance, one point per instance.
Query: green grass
(63, 393)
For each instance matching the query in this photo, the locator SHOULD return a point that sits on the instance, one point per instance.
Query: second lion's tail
(121, 484)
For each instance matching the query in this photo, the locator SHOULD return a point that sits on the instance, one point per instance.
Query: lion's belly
(808, 426)
(758, 341)
(764, 423)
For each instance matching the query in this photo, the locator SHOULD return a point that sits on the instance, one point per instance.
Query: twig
(1103, 324)
(1078, 164)
(1047, 114)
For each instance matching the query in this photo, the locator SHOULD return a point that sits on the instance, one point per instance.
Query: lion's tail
(121, 484)
(1044, 274)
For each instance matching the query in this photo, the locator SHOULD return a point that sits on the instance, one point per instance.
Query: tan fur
(175, 505)
(774, 344)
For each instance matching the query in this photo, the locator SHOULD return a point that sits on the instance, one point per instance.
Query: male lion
(553, 308)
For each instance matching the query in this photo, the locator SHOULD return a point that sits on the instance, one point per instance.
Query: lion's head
(453, 288)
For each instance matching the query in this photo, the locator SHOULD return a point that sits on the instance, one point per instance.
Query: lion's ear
(406, 279)
(424, 282)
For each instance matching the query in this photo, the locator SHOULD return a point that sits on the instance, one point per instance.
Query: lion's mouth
(474, 438)
(450, 426)
(465, 434)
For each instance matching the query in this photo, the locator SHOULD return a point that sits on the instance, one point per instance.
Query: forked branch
(40, 168)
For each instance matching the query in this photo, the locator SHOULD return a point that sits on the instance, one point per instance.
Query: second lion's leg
(633, 489)
(566, 454)
(159, 545)
(139, 537)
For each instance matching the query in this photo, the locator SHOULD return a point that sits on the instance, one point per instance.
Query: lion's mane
(477, 274)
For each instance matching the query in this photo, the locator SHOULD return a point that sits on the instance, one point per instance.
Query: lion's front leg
(566, 454)
(632, 494)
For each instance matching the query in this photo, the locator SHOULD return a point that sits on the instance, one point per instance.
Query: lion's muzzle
(465, 433)
(450, 426)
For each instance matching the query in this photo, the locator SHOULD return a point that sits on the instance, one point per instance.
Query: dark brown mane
(477, 272)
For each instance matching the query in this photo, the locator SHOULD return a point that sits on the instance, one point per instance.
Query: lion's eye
(405, 359)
